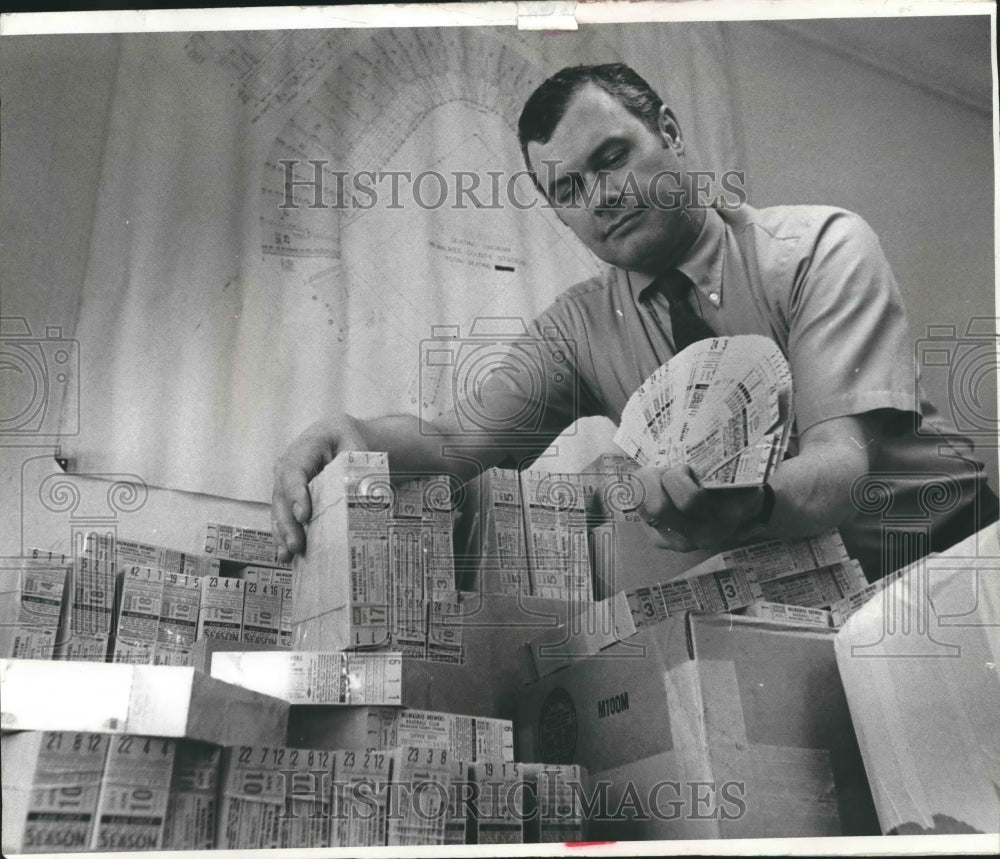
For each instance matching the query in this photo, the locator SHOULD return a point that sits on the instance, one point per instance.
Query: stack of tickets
(723, 406)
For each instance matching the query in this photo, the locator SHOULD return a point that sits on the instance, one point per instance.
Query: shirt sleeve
(536, 387)
(848, 343)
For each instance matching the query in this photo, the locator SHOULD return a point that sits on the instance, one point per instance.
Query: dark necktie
(687, 327)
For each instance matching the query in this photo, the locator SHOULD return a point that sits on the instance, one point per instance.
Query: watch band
(767, 505)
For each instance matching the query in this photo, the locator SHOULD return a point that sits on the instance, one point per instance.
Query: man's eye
(614, 157)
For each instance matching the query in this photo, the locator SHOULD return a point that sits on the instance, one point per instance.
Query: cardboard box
(135, 786)
(51, 781)
(178, 627)
(314, 678)
(153, 700)
(137, 614)
(587, 631)
(555, 535)
(341, 583)
(467, 738)
(421, 780)
(193, 806)
(33, 597)
(205, 649)
(490, 552)
(624, 557)
(918, 666)
(710, 726)
(493, 631)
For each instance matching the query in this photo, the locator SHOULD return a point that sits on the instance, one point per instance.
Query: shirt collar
(702, 265)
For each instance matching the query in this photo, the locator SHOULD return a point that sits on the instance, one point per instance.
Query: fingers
(291, 508)
(669, 495)
(291, 505)
(679, 485)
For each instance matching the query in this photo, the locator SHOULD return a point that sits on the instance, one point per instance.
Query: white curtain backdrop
(215, 325)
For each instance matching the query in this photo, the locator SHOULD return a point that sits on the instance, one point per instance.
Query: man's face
(617, 184)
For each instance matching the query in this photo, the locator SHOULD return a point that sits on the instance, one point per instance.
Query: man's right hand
(307, 456)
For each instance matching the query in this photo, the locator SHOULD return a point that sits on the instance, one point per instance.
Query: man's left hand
(686, 516)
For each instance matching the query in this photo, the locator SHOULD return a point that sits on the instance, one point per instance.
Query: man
(609, 156)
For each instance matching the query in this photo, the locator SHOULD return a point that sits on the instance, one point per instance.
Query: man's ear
(670, 129)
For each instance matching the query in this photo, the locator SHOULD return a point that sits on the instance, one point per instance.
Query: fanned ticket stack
(723, 406)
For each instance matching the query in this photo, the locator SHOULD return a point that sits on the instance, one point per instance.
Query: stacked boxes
(86, 628)
(555, 527)
(221, 612)
(152, 700)
(407, 584)
(553, 812)
(498, 816)
(192, 810)
(251, 798)
(491, 556)
(360, 797)
(436, 506)
(466, 738)
(241, 545)
(261, 606)
(341, 597)
(177, 630)
(51, 782)
(314, 678)
(135, 786)
(307, 821)
(33, 593)
(131, 553)
(421, 783)
(137, 618)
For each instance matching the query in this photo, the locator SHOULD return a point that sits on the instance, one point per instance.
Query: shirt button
(714, 296)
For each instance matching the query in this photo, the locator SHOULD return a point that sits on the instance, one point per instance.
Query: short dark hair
(546, 106)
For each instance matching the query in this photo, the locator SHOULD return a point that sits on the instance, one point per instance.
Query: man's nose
(606, 192)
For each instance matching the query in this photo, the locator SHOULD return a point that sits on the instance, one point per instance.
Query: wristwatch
(766, 506)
